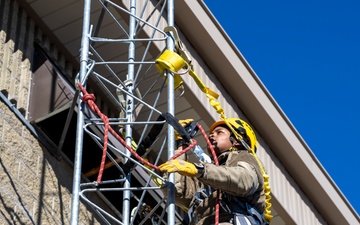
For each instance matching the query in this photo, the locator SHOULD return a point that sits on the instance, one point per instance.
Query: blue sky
(307, 54)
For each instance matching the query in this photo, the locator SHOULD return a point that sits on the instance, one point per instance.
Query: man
(238, 178)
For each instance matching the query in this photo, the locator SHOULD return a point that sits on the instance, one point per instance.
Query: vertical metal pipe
(171, 136)
(129, 108)
(84, 56)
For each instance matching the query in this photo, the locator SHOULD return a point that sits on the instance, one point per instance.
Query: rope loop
(88, 97)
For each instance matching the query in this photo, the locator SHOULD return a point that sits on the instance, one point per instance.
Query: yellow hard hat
(242, 128)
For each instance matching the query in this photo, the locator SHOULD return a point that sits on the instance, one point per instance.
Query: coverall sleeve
(240, 179)
(185, 188)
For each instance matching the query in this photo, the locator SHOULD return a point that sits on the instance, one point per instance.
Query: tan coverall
(238, 175)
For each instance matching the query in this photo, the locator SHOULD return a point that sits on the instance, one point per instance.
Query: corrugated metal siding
(283, 186)
(287, 191)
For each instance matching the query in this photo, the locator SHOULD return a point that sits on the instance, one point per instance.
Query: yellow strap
(173, 62)
(201, 85)
(267, 213)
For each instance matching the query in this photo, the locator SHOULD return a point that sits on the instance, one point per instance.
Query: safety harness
(243, 213)
(177, 61)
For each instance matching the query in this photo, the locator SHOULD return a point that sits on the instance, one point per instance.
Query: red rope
(216, 161)
(185, 150)
(213, 153)
(89, 99)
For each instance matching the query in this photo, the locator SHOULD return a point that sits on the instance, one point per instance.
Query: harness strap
(188, 217)
(199, 197)
(242, 220)
(250, 215)
(236, 206)
(255, 214)
(177, 126)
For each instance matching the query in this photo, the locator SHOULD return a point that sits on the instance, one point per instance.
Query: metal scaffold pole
(84, 56)
(123, 98)
(171, 107)
(129, 108)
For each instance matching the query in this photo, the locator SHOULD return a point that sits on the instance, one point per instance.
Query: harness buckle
(201, 195)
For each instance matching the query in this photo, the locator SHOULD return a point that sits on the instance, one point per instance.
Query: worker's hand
(183, 123)
(180, 166)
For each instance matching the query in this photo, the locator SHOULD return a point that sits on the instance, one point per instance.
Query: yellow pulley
(172, 62)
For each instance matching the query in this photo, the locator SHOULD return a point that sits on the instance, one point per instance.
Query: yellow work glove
(182, 167)
(183, 123)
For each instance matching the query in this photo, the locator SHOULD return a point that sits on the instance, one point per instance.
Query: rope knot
(88, 97)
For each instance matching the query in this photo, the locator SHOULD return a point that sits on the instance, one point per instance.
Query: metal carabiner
(178, 44)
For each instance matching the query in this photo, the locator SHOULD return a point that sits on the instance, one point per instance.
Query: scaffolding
(141, 95)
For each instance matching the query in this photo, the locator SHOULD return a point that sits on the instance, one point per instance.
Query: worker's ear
(235, 143)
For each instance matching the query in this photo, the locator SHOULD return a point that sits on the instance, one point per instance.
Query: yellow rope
(216, 105)
(174, 63)
(267, 213)
(212, 96)
(201, 85)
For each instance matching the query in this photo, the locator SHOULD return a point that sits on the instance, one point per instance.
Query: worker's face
(220, 139)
